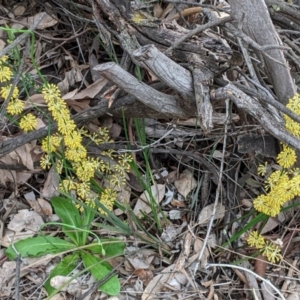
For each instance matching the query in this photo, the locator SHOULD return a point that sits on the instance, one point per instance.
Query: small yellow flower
(76, 154)
(5, 90)
(287, 157)
(262, 169)
(256, 240)
(107, 198)
(5, 73)
(15, 106)
(275, 179)
(28, 122)
(50, 92)
(45, 162)
(83, 190)
(65, 126)
(3, 59)
(51, 143)
(272, 252)
(86, 169)
(73, 139)
(67, 185)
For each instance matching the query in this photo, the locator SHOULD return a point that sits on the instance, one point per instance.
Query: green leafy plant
(76, 226)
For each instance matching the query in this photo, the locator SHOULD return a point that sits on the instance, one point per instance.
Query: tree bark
(253, 18)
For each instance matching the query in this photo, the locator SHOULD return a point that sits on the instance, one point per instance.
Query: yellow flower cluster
(15, 106)
(268, 249)
(282, 185)
(69, 141)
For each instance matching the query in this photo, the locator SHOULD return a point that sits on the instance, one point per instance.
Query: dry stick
(197, 30)
(256, 110)
(18, 261)
(167, 70)
(247, 60)
(267, 98)
(249, 271)
(158, 101)
(285, 8)
(254, 45)
(83, 117)
(217, 192)
(286, 282)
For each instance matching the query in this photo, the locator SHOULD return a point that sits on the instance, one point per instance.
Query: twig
(269, 99)
(256, 46)
(219, 188)
(80, 118)
(18, 261)
(19, 39)
(197, 30)
(249, 271)
(255, 109)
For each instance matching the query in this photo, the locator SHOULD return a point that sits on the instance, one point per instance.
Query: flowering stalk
(68, 140)
(282, 185)
(268, 249)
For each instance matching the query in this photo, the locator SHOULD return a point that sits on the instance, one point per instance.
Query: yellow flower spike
(3, 59)
(262, 169)
(51, 92)
(5, 90)
(272, 252)
(5, 73)
(68, 185)
(76, 154)
(73, 140)
(107, 198)
(45, 162)
(287, 157)
(51, 143)
(28, 122)
(83, 190)
(256, 240)
(15, 106)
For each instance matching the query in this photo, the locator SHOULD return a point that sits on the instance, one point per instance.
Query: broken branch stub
(168, 71)
(160, 102)
(256, 110)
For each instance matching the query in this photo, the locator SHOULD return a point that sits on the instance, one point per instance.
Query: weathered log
(168, 105)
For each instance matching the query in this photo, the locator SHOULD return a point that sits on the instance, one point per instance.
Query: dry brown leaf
(144, 275)
(206, 213)
(39, 205)
(158, 192)
(19, 10)
(46, 22)
(24, 155)
(140, 258)
(6, 278)
(260, 265)
(157, 10)
(79, 106)
(26, 221)
(272, 223)
(90, 92)
(50, 188)
(115, 130)
(157, 284)
(186, 183)
(36, 100)
(293, 296)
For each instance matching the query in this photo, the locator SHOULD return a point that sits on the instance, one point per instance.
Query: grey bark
(253, 18)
